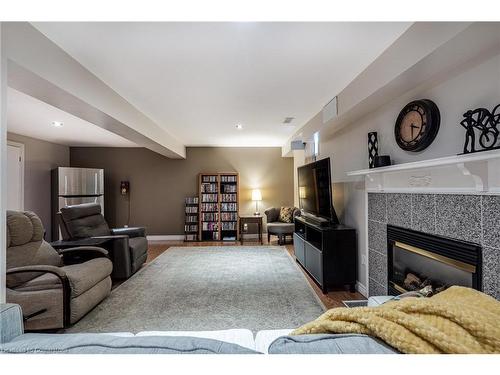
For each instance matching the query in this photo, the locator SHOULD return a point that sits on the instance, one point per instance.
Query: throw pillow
(286, 214)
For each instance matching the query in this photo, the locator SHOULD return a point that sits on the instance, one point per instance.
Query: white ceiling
(198, 80)
(31, 117)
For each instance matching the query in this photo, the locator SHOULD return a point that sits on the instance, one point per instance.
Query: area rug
(209, 288)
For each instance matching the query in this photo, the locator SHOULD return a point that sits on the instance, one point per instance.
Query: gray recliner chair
(128, 247)
(54, 289)
(277, 228)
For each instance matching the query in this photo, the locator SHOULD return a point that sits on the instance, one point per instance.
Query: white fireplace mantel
(468, 173)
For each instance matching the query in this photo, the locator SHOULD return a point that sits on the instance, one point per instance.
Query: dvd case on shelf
(218, 209)
(229, 178)
(191, 219)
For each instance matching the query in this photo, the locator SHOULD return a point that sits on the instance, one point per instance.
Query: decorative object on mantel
(382, 161)
(484, 122)
(417, 125)
(372, 148)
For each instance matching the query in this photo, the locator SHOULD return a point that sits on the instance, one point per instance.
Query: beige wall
(40, 157)
(158, 185)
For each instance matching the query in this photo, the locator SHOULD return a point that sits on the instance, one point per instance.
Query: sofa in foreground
(13, 340)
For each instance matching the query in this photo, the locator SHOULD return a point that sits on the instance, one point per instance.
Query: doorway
(15, 176)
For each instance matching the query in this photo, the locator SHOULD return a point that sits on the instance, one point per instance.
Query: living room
(173, 187)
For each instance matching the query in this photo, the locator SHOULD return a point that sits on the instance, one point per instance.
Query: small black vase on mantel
(372, 148)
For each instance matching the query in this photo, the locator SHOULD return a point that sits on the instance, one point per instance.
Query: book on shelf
(191, 228)
(191, 200)
(209, 188)
(209, 178)
(228, 178)
(209, 207)
(209, 197)
(229, 216)
(209, 216)
(229, 188)
(218, 208)
(228, 225)
(229, 207)
(191, 219)
(228, 197)
(209, 226)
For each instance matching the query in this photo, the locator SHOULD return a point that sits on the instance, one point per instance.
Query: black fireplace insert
(417, 260)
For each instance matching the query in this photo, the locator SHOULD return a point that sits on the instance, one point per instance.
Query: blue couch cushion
(329, 344)
(92, 343)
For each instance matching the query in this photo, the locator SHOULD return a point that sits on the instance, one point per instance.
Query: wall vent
(298, 145)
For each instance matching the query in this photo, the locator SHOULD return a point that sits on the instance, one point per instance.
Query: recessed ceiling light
(57, 124)
(239, 126)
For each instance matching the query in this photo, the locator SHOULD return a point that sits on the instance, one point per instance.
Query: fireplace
(416, 260)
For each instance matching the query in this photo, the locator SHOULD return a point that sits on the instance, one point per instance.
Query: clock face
(417, 125)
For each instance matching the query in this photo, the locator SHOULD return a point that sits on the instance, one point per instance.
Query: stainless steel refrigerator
(72, 186)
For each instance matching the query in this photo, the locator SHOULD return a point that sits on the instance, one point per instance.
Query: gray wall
(158, 185)
(40, 157)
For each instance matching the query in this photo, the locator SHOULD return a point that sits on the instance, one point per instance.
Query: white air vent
(298, 145)
(330, 110)
(288, 120)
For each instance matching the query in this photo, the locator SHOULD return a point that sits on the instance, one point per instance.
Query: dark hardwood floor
(330, 300)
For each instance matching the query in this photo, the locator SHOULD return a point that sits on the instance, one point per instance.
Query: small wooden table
(251, 219)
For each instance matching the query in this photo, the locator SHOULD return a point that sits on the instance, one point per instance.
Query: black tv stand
(315, 220)
(327, 253)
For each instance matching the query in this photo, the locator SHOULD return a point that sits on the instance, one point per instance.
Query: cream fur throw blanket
(457, 320)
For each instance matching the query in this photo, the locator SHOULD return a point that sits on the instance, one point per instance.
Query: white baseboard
(166, 237)
(248, 236)
(177, 237)
(361, 289)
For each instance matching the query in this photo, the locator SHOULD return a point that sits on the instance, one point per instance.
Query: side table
(251, 219)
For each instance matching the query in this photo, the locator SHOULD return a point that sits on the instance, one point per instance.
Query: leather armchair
(128, 247)
(277, 228)
(54, 290)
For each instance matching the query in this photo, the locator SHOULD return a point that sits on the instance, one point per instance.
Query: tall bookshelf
(219, 203)
(191, 219)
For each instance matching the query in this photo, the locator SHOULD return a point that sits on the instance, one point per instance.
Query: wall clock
(417, 125)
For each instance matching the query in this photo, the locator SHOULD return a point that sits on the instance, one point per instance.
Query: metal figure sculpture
(485, 123)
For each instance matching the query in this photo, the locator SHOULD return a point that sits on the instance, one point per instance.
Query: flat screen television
(315, 190)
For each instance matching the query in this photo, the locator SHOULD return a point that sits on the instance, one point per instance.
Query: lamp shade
(256, 195)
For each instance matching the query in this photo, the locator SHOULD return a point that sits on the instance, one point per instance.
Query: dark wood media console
(328, 253)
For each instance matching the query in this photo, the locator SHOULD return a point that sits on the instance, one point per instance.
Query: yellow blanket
(457, 320)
